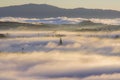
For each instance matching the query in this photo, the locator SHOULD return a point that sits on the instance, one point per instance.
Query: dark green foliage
(84, 26)
(2, 36)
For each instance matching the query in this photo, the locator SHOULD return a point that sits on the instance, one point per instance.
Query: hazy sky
(101, 4)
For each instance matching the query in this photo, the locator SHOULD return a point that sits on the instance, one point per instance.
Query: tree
(60, 42)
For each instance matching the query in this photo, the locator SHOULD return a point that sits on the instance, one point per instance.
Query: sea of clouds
(60, 20)
(58, 66)
(46, 41)
(29, 56)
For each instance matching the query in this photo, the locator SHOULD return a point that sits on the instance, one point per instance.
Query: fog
(57, 65)
(82, 56)
(60, 20)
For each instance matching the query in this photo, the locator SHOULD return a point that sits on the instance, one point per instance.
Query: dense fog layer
(39, 56)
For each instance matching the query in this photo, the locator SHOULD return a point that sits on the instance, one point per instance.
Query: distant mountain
(44, 11)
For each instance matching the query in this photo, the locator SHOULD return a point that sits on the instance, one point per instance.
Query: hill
(44, 11)
(83, 26)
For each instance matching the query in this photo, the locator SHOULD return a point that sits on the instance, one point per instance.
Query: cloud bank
(58, 66)
(41, 58)
(60, 20)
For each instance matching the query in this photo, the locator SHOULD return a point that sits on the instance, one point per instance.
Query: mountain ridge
(46, 11)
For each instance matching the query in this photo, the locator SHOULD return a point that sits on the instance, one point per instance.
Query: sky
(94, 4)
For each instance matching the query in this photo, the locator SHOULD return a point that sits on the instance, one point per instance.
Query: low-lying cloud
(58, 66)
(42, 58)
(60, 20)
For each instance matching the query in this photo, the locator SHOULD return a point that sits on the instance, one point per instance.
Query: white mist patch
(60, 20)
(107, 21)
